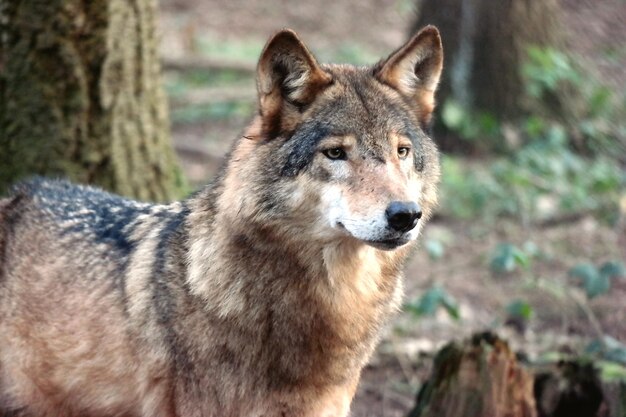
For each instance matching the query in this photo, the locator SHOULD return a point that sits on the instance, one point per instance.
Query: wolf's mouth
(384, 244)
(388, 244)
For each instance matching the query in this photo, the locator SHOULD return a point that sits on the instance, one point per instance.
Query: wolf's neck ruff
(344, 274)
(321, 304)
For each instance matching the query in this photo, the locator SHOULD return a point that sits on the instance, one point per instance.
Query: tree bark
(81, 96)
(485, 45)
(480, 378)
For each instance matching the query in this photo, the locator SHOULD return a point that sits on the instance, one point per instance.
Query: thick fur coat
(263, 294)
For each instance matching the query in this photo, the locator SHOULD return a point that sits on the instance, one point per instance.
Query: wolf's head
(342, 152)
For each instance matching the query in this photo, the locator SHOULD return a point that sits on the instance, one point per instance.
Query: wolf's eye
(403, 152)
(335, 153)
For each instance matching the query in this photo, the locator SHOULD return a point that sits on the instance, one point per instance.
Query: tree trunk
(81, 96)
(486, 44)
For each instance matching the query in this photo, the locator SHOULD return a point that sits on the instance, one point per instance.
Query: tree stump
(569, 388)
(482, 377)
(478, 378)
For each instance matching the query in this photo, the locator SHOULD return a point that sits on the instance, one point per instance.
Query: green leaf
(531, 249)
(521, 258)
(595, 347)
(598, 286)
(453, 115)
(427, 304)
(434, 298)
(613, 269)
(502, 259)
(535, 126)
(430, 300)
(593, 282)
(488, 123)
(618, 355)
(584, 272)
(611, 371)
(519, 309)
(608, 348)
(451, 305)
(600, 100)
(506, 257)
(435, 249)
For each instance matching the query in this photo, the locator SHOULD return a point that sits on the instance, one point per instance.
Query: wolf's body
(261, 295)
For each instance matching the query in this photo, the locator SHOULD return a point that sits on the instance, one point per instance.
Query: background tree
(486, 45)
(81, 96)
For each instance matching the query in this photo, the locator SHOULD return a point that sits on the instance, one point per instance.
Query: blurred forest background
(530, 237)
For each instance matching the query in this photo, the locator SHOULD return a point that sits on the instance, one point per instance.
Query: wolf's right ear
(288, 79)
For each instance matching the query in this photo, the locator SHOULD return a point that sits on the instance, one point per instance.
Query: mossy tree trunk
(486, 43)
(82, 96)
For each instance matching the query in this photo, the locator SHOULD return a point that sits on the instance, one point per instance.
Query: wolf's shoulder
(63, 198)
(51, 191)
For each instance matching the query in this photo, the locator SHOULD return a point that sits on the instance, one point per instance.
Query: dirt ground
(563, 320)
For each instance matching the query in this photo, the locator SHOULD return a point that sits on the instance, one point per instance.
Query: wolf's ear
(414, 70)
(288, 78)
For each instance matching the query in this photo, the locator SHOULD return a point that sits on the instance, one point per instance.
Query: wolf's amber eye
(403, 152)
(335, 153)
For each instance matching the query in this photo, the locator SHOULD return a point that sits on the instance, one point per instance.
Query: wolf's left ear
(414, 70)
(288, 79)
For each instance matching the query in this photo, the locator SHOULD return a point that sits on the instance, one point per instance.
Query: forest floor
(563, 320)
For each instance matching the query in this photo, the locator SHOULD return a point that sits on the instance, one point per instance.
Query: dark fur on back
(3, 213)
(8, 217)
(82, 216)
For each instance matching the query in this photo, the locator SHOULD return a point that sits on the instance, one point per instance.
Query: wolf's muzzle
(403, 216)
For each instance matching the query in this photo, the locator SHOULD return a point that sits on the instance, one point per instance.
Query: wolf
(261, 295)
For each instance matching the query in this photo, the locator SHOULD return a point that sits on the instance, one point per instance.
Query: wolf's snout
(403, 216)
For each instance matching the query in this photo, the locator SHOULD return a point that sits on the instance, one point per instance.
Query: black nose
(403, 216)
